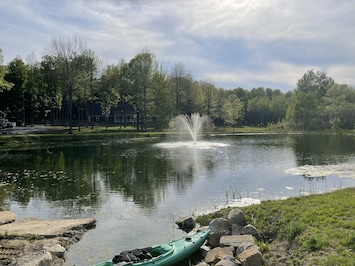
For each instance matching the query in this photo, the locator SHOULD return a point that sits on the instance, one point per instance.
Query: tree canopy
(69, 79)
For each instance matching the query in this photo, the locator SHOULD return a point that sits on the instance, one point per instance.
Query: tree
(14, 99)
(108, 95)
(306, 111)
(339, 106)
(4, 85)
(208, 90)
(50, 89)
(315, 83)
(69, 54)
(232, 110)
(160, 103)
(177, 81)
(141, 68)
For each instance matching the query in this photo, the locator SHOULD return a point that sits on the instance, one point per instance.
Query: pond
(137, 188)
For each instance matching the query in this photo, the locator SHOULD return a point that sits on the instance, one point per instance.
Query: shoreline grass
(317, 229)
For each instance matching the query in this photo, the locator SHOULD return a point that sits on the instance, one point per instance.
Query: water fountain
(193, 126)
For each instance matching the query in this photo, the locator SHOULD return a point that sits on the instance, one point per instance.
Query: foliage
(60, 87)
(4, 84)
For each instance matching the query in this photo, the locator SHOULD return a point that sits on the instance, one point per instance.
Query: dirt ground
(25, 240)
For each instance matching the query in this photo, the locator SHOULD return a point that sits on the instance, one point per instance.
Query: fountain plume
(192, 124)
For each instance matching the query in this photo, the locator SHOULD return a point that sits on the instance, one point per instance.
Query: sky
(231, 43)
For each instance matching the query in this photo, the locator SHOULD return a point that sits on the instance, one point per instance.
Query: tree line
(60, 87)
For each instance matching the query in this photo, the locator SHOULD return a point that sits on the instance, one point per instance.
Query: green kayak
(165, 254)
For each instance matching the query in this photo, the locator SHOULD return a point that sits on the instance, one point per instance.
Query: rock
(40, 258)
(250, 230)
(236, 216)
(7, 217)
(236, 229)
(243, 247)
(251, 256)
(236, 240)
(45, 228)
(186, 223)
(215, 255)
(57, 250)
(228, 261)
(219, 225)
(214, 238)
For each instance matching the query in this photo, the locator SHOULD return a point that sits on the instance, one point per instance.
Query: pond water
(137, 188)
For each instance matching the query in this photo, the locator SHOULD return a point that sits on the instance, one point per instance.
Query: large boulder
(236, 216)
(219, 225)
(236, 240)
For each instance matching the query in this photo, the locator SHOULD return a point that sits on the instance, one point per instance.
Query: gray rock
(250, 230)
(236, 229)
(236, 216)
(214, 238)
(236, 240)
(219, 225)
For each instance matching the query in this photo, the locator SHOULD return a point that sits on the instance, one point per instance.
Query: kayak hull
(173, 251)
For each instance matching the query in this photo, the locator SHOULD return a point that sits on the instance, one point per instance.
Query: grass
(318, 229)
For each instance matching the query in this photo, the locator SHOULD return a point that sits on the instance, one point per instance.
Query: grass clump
(316, 230)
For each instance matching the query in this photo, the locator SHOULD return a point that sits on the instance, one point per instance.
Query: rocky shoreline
(31, 242)
(34, 242)
(232, 242)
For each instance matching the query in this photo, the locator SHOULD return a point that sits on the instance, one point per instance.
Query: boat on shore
(166, 254)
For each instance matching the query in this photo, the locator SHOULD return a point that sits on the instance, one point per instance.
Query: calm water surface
(137, 188)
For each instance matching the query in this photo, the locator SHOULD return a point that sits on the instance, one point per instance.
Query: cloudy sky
(232, 43)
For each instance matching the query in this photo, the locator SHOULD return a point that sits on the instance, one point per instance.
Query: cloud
(267, 43)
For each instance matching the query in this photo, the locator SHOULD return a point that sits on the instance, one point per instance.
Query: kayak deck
(165, 254)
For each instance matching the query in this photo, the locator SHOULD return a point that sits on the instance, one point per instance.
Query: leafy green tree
(316, 83)
(50, 89)
(4, 85)
(339, 106)
(141, 69)
(108, 94)
(258, 110)
(306, 111)
(208, 91)
(32, 95)
(160, 103)
(14, 100)
(278, 106)
(232, 110)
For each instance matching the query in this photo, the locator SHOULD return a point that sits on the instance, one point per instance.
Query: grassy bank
(313, 230)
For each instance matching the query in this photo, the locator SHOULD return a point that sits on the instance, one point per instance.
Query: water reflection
(136, 188)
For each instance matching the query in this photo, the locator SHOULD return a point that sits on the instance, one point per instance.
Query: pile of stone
(231, 242)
